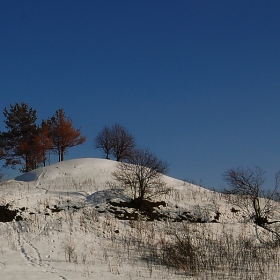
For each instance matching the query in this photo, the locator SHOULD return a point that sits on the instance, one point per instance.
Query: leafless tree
(142, 174)
(115, 141)
(246, 191)
(123, 142)
(104, 141)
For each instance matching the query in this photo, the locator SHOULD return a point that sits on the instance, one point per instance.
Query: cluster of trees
(28, 144)
(141, 171)
(115, 141)
(138, 170)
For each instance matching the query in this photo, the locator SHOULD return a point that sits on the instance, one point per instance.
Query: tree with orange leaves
(43, 142)
(63, 134)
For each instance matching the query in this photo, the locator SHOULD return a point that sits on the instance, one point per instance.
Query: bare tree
(142, 174)
(103, 141)
(123, 142)
(246, 191)
(115, 141)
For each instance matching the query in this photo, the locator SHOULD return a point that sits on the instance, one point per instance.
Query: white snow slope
(67, 229)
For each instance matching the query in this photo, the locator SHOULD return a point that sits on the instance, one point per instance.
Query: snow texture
(66, 227)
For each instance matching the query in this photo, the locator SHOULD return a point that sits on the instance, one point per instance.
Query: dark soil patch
(7, 215)
(145, 208)
(55, 209)
(149, 210)
(233, 210)
(217, 216)
(19, 218)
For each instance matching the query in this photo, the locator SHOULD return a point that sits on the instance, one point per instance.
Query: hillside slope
(70, 220)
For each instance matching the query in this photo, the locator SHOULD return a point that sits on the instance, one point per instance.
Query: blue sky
(195, 81)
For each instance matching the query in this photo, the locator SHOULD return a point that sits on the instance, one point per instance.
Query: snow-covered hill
(68, 222)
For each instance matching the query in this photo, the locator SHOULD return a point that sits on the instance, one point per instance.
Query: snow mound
(76, 168)
(30, 176)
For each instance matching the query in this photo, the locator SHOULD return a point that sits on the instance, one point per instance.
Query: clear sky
(195, 81)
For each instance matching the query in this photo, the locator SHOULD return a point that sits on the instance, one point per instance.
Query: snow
(66, 215)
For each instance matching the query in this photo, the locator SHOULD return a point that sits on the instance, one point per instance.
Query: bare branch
(246, 191)
(142, 174)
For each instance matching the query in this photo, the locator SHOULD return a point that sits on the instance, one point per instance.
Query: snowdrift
(70, 220)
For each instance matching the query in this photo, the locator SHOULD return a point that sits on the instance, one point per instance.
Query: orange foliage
(63, 133)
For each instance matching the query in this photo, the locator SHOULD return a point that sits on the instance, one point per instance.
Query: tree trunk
(26, 163)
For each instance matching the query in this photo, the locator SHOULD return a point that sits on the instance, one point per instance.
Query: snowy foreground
(66, 228)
